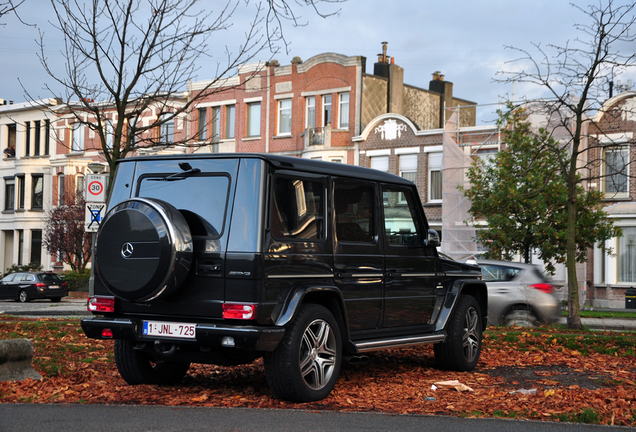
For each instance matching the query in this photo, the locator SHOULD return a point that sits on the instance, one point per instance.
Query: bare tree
(577, 77)
(128, 57)
(11, 6)
(64, 233)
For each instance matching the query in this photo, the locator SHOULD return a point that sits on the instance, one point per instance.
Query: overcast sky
(464, 39)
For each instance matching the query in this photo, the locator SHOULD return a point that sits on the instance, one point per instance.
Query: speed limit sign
(95, 188)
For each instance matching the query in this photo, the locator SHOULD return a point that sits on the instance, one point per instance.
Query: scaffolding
(457, 234)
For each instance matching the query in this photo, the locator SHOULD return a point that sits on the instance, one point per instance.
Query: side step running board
(372, 345)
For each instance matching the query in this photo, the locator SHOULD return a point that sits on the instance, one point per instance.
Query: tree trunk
(574, 316)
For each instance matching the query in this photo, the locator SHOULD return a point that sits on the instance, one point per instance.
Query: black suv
(222, 259)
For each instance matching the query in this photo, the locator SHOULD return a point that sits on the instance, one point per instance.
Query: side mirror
(432, 239)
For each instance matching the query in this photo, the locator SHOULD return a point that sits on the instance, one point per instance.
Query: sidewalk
(45, 308)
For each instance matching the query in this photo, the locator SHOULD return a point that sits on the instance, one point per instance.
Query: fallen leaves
(570, 377)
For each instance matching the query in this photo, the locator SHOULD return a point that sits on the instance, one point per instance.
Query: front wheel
(138, 367)
(461, 350)
(305, 365)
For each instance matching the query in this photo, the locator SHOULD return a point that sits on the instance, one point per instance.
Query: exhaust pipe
(358, 360)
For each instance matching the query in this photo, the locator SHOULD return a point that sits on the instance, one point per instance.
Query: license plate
(54, 286)
(169, 329)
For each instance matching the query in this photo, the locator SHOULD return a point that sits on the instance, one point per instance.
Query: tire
(460, 352)
(56, 299)
(520, 317)
(138, 367)
(305, 365)
(23, 297)
(144, 249)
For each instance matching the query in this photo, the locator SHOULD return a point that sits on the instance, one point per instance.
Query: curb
(16, 356)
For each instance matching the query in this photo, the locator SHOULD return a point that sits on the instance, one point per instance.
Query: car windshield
(49, 277)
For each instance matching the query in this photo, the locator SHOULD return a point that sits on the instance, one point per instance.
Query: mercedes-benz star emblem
(127, 250)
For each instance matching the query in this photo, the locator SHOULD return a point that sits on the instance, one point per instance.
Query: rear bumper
(250, 338)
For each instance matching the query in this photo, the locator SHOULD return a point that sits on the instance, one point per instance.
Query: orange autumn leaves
(562, 373)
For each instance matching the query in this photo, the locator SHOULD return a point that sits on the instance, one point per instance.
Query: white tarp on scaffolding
(457, 237)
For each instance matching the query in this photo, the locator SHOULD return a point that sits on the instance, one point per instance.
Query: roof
(287, 162)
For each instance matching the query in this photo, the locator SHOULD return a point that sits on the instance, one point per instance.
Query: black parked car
(26, 286)
(223, 259)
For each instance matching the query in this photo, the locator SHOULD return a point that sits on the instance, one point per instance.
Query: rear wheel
(23, 296)
(520, 317)
(461, 350)
(56, 299)
(305, 366)
(138, 367)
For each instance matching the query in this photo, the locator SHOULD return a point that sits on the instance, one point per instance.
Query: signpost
(95, 198)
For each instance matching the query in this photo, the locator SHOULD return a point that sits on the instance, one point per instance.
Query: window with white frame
(626, 256)
(343, 110)
(408, 170)
(616, 166)
(166, 129)
(253, 119)
(202, 125)
(326, 110)
(230, 111)
(21, 181)
(9, 194)
(37, 192)
(310, 112)
(435, 177)
(79, 184)
(61, 189)
(109, 133)
(284, 116)
(79, 130)
(380, 163)
(37, 132)
(216, 124)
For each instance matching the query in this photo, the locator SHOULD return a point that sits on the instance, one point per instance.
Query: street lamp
(96, 167)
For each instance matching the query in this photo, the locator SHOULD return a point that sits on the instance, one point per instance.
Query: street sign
(94, 216)
(95, 188)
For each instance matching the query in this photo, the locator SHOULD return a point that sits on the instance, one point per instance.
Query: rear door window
(298, 210)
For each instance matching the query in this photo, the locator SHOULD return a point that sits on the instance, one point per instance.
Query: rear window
(202, 199)
(49, 277)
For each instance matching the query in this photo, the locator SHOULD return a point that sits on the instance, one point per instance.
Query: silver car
(518, 294)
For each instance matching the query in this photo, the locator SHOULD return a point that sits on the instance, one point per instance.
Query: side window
(400, 218)
(353, 203)
(297, 211)
(491, 273)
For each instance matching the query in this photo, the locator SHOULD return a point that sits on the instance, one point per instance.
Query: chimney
(386, 68)
(445, 90)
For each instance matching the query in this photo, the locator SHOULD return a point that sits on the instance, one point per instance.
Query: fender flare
(329, 296)
(474, 287)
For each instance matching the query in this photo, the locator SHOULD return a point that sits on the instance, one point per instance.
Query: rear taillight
(543, 287)
(239, 311)
(101, 304)
(40, 285)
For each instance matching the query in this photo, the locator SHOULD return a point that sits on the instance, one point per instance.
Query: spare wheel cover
(144, 249)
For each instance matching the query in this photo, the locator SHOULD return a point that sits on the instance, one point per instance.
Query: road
(77, 307)
(139, 418)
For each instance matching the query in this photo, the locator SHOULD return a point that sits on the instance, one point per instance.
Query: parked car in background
(518, 294)
(27, 286)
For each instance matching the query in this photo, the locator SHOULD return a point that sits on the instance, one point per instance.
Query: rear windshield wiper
(177, 176)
